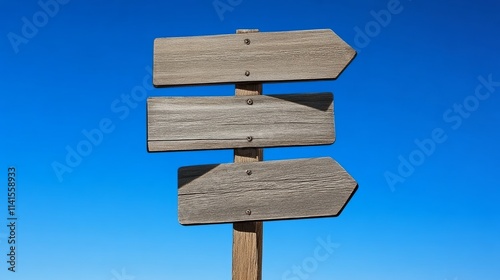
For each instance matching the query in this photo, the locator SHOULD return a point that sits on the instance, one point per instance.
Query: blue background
(114, 216)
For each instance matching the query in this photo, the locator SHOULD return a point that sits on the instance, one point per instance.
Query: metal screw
(249, 172)
(249, 101)
(249, 138)
(247, 73)
(248, 212)
(247, 41)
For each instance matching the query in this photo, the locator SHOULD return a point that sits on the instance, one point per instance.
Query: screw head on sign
(249, 101)
(248, 212)
(249, 172)
(247, 73)
(247, 41)
(249, 138)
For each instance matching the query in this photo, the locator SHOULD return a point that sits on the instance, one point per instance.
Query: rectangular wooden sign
(266, 190)
(195, 123)
(251, 57)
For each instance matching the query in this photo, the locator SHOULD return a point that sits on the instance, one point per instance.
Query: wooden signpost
(250, 191)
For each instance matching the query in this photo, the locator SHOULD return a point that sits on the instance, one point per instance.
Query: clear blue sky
(417, 125)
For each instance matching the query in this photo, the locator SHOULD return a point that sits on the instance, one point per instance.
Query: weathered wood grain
(268, 190)
(247, 250)
(267, 56)
(196, 123)
(247, 236)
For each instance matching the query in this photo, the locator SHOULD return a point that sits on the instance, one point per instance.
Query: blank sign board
(251, 57)
(266, 190)
(195, 123)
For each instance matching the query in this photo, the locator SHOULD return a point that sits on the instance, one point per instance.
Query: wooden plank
(247, 250)
(247, 236)
(267, 56)
(226, 122)
(268, 190)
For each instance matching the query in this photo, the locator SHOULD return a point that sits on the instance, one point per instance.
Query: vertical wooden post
(247, 236)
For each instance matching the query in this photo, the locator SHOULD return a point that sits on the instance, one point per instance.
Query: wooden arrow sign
(239, 121)
(250, 57)
(250, 190)
(266, 190)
